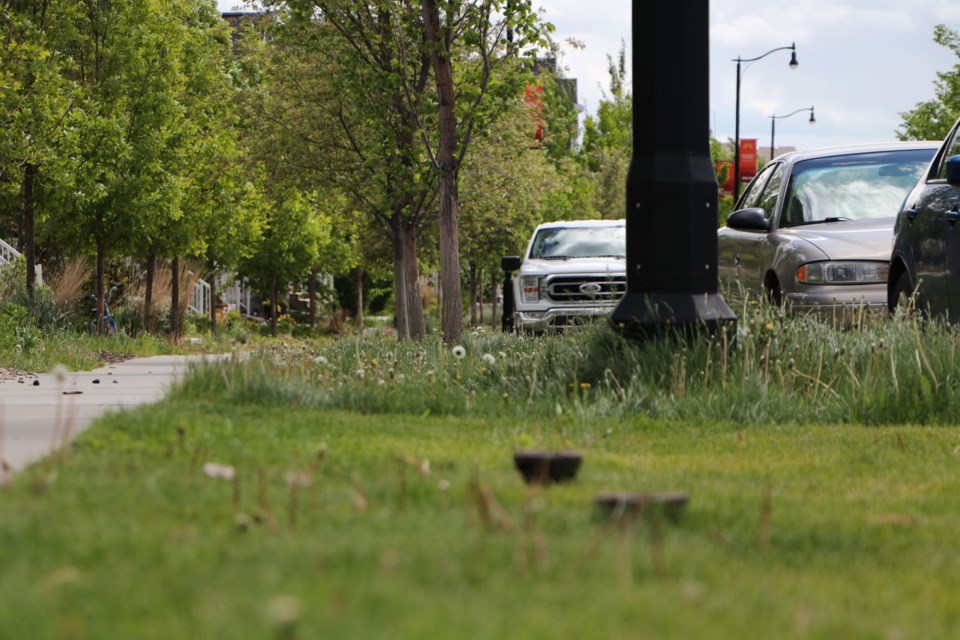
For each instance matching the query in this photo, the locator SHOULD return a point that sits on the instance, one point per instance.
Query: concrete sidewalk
(33, 409)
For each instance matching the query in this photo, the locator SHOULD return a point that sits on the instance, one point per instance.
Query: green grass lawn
(350, 525)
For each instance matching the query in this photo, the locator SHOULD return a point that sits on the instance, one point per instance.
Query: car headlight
(843, 273)
(530, 288)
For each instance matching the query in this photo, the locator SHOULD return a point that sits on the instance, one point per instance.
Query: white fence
(8, 255)
(234, 292)
(200, 299)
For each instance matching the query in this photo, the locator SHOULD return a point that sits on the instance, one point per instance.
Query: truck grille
(586, 288)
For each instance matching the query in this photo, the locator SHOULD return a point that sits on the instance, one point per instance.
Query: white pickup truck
(572, 272)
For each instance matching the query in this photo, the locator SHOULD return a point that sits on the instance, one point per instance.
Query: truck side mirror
(510, 263)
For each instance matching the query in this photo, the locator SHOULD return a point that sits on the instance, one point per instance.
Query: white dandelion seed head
(284, 610)
(459, 352)
(488, 359)
(320, 360)
(217, 470)
(60, 373)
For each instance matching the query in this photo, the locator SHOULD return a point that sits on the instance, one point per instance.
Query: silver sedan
(814, 229)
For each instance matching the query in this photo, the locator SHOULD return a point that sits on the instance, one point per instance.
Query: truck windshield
(560, 243)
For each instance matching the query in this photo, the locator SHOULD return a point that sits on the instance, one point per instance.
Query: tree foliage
(932, 119)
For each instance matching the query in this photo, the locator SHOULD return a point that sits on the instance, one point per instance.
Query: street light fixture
(773, 122)
(736, 142)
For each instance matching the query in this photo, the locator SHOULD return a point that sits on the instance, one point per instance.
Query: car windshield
(560, 243)
(852, 187)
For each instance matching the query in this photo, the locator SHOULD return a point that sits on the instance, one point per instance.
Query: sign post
(672, 190)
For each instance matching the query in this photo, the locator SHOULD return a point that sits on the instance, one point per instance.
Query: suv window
(953, 149)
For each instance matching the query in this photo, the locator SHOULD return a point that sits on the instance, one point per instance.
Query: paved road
(34, 409)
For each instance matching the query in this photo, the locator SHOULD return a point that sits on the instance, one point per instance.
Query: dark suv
(926, 245)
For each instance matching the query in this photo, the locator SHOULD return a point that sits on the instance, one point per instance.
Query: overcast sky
(862, 62)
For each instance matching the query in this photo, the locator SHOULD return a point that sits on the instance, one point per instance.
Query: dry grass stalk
(68, 285)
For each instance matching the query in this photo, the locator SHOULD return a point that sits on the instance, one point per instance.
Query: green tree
(342, 98)
(932, 119)
(35, 100)
(125, 60)
(474, 64)
(607, 141)
(296, 230)
(503, 184)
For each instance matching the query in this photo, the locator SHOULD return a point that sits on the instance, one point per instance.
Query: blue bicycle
(109, 322)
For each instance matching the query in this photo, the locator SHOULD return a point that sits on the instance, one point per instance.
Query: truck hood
(602, 266)
(849, 239)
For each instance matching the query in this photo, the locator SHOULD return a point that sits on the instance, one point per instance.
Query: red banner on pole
(748, 159)
(725, 176)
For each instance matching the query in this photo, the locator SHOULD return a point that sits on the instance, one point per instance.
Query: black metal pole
(672, 191)
(773, 122)
(736, 142)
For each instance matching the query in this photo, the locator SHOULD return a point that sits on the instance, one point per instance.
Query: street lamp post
(736, 141)
(672, 192)
(773, 122)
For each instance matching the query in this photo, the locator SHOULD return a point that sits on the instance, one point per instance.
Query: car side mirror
(752, 219)
(510, 263)
(953, 169)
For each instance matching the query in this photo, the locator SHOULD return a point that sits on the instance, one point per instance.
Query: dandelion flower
(488, 359)
(459, 352)
(361, 374)
(320, 360)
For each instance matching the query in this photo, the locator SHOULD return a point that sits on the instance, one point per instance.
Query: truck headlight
(530, 288)
(842, 272)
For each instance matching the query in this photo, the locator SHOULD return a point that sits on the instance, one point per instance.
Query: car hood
(848, 239)
(612, 266)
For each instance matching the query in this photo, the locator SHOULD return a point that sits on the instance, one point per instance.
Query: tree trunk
(29, 182)
(213, 297)
(472, 279)
(175, 299)
(148, 319)
(273, 307)
(98, 277)
(313, 298)
(480, 294)
(451, 308)
(415, 319)
(358, 280)
(399, 281)
(493, 298)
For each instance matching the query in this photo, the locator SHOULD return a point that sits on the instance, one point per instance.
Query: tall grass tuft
(68, 284)
(775, 369)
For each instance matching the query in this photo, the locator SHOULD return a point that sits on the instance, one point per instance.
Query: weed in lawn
(778, 369)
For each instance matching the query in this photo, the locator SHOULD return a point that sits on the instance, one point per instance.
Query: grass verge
(318, 523)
